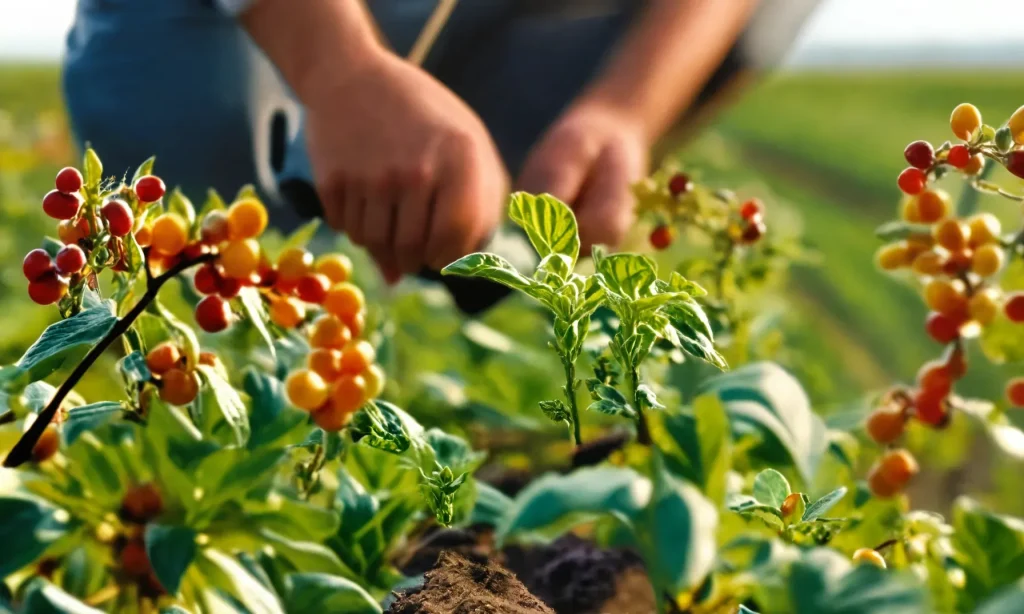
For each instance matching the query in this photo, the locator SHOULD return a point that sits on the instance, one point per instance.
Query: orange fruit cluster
(178, 384)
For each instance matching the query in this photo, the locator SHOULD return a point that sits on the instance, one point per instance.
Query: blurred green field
(827, 146)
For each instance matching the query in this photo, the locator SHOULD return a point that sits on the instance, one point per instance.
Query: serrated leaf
(824, 504)
(628, 275)
(88, 418)
(383, 426)
(227, 402)
(171, 550)
(771, 488)
(497, 269)
(556, 410)
(549, 223)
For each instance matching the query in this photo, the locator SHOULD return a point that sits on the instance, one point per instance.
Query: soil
(458, 585)
(570, 576)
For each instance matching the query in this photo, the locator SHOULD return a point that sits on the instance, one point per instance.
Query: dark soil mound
(459, 586)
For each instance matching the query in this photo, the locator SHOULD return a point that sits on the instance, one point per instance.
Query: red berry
(69, 180)
(912, 180)
(661, 237)
(1014, 307)
(47, 289)
(230, 287)
(193, 251)
(61, 206)
(679, 184)
(959, 156)
(751, 209)
(119, 217)
(1015, 162)
(941, 327)
(36, 264)
(207, 280)
(934, 376)
(70, 259)
(754, 231)
(930, 407)
(150, 188)
(1015, 391)
(919, 154)
(313, 288)
(213, 314)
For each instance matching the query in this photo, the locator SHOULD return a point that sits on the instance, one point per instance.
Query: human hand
(402, 166)
(589, 159)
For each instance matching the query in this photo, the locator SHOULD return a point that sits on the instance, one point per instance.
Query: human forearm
(666, 57)
(303, 39)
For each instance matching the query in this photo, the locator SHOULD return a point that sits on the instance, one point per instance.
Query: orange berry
(934, 376)
(929, 263)
(984, 306)
(885, 425)
(867, 555)
(357, 357)
(169, 234)
(932, 205)
(179, 387)
(337, 267)
(247, 219)
(375, 378)
(952, 234)
(355, 323)
(880, 485)
(892, 472)
(72, 231)
(293, 263)
(344, 300)
(209, 359)
(163, 358)
(47, 446)
(974, 164)
(348, 394)
(144, 236)
(946, 296)
(240, 259)
(330, 418)
(965, 119)
(325, 362)
(287, 312)
(1015, 392)
(987, 260)
(789, 504)
(306, 390)
(329, 332)
(893, 256)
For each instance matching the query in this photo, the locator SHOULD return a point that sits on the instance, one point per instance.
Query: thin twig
(22, 451)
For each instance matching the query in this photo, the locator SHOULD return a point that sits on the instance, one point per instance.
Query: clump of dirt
(457, 585)
(574, 576)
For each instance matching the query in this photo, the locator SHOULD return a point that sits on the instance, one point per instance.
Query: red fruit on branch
(230, 287)
(930, 407)
(70, 259)
(36, 264)
(1015, 162)
(149, 189)
(119, 217)
(1014, 307)
(1015, 392)
(61, 206)
(912, 180)
(942, 328)
(751, 209)
(662, 236)
(935, 377)
(312, 288)
(754, 230)
(207, 280)
(679, 184)
(68, 180)
(47, 289)
(885, 425)
(959, 156)
(213, 314)
(920, 154)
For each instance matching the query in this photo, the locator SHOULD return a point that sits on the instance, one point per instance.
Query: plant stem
(22, 451)
(570, 398)
(643, 432)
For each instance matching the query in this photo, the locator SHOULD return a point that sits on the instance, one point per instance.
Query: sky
(35, 29)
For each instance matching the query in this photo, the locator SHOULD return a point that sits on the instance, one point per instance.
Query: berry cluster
(674, 201)
(957, 260)
(340, 374)
(140, 505)
(177, 381)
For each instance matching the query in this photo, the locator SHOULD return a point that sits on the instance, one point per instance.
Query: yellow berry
(946, 296)
(247, 219)
(966, 118)
(240, 259)
(984, 306)
(867, 555)
(974, 165)
(893, 256)
(952, 234)
(306, 390)
(337, 267)
(287, 312)
(932, 206)
(329, 332)
(985, 228)
(909, 211)
(987, 260)
(375, 378)
(1016, 125)
(344, 300)
(929, 263)
(169, 234)
(357, 357)
(294, 263)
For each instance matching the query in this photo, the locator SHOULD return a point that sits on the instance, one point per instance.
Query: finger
(354, 209)
(456, 218)
(604, 210)
(555, 167)
(379, 226)
(411, 227)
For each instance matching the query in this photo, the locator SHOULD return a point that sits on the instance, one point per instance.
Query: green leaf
(37, 395)
(556, 410)
(307, 556)
(766, 397)
(92, 169)
(41, 597)
(133, 369)
(452, 451)
(227, 402)
(180, 204)
(1006, 601)
(715, 446)
(256, 314)
(293, 519)
(628, 275)
(29, 527)
(554, 503)
(693, 331)
(991, 547)
(771, 488)
(491, 505)
(548, 222)
(613, 408)
(554, 269)
(823, 581)
(228, 575)
(1000, 429)
(171, 550)
(315, 592)
(89, 418)
(302, 235)
(646, 398)
(59, 342)
(497, 269)
(824, 504)
(894, 231)
(271, 418)
(146, 168)
(770, 516)
(383, 426)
